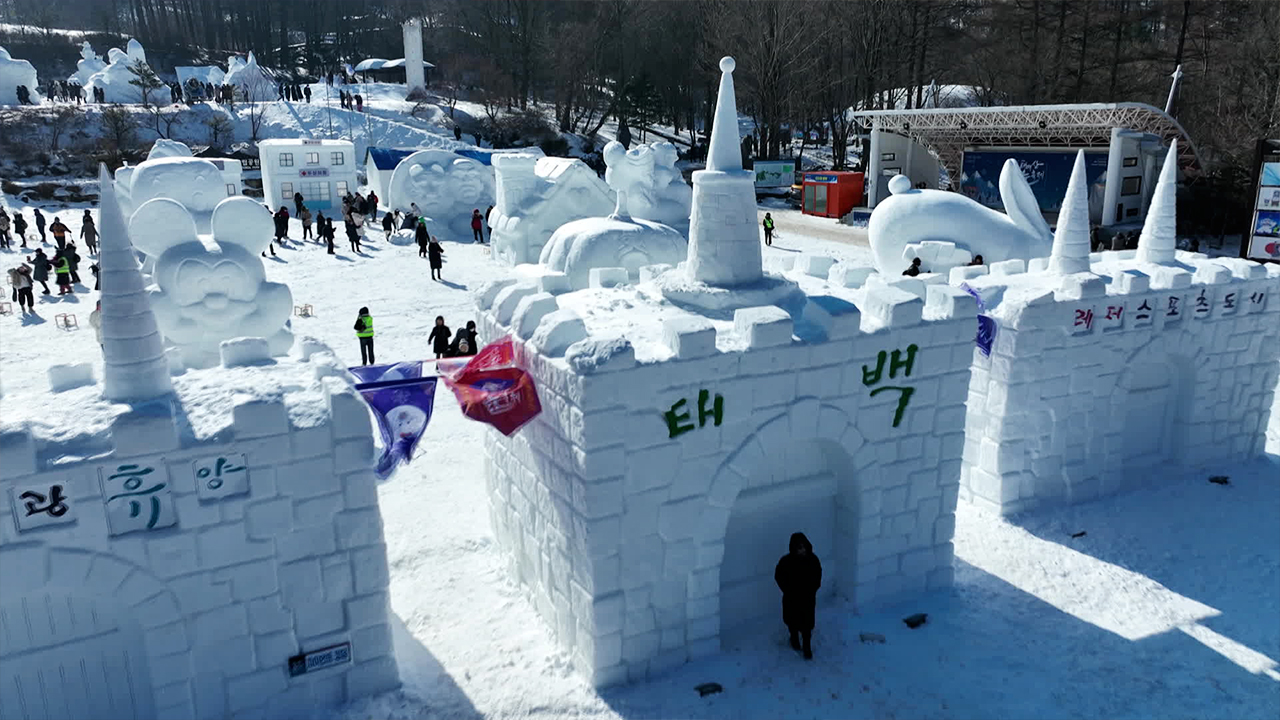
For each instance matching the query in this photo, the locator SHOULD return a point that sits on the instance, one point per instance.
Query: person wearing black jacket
(41, 266)
(297, 203)
(799, 575)
(435, 255)
(439, 338)
(465, 336)
(73, 261)
(364, 331)
(421, 235)
(20, 227)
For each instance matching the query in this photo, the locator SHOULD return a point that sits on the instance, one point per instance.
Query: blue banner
(403, 408)
(392, 371)
(1047, 173)
(986, 336)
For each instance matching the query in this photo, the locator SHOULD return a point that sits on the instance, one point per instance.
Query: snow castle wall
(646, 506)
(194, 578)
(1116, 377)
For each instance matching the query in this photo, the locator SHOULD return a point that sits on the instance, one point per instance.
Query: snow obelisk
(415, 80)
(1071, 246)
(135, 366)
(1158, 242)
(724, 245)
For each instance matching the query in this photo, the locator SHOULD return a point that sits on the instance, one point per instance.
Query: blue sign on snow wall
(1047, 173)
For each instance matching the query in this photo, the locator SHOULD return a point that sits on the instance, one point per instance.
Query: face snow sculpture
(911, 216)
(441, 184)
(207, 292)
(195, 183)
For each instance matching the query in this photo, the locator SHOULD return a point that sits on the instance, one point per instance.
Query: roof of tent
(386, 158)
(380, 64)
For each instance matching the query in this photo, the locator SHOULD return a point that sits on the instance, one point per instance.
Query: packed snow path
(1168, 605)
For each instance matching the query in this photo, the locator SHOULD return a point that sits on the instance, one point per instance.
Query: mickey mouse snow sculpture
(211, 289)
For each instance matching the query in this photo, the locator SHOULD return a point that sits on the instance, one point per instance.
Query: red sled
(492, 389)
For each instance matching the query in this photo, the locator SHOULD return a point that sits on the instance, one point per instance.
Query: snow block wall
(646, 506)
(218, 557)
(1118, 374)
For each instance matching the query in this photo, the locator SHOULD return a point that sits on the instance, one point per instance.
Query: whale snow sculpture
(909, 217)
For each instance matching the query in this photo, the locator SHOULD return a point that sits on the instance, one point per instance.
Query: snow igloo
(645, 507)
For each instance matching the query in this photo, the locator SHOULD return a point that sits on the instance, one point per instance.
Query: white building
(232, 175)
(322, 170)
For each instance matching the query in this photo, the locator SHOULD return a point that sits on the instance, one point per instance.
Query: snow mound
(12, 74)
(168, 148)
(577, 247)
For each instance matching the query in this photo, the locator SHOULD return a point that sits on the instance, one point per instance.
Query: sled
(65, 321)
(303, 311)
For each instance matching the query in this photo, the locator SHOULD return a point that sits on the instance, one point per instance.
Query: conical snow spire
(725, 152)
(135, 367)
(1071, 245)
(1158, 242)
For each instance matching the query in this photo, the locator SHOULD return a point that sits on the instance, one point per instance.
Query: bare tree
(118, 127)
(62, 120)
(256, 95)
(221, 131)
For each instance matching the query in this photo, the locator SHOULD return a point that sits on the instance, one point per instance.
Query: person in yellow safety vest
(768, 229)
(62, 267)
(364, 331)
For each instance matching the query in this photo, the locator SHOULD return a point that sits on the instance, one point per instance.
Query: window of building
(286, 159)
(286, 191)
(313, 158)
(341, 187)
(337, 159)
(317, 191)
(231, 190)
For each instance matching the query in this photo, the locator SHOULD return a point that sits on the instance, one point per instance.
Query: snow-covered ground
(1167, 605)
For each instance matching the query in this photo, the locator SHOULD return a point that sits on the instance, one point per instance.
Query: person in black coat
(439, 338)
(799, 575)
(435, 254)
(464, 342)
(423, 238)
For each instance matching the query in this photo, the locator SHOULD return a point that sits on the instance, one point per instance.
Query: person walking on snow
(41, 266)
(799, 575)
(353, 234)
(435, 254)
(40, 226)
(5, 222)
(306, 92)
(297, 203)
(364, 331)
(439, 338)
(89, 233)
(59, 231)
(305, 217)
(373, 207)
(423, 238)
(23, 285)
(282, 226)
(62, 269)
(487, 214)
(477, 223)
(768, 229)
(73, 261)
(388, 224)
(20, 227)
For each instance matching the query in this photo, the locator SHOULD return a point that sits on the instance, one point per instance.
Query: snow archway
(1154, 405)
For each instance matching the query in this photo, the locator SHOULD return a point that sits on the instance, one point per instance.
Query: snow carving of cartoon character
(912, 217)
(444, 186)
(630, 174)
(195, 183)
(211, 289)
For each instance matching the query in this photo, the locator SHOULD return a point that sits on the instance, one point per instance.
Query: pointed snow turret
(1071, 245)
(724, 242)
(1158, 242)
(135, 367)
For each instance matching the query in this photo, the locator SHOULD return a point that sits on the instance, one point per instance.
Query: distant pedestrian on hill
(5, 223)
(359, 103)
(914, 270)
(89, 233)
(477, 223)
(305, 217)
(306, 93)
(40, 226)
(59, 230)
(435, 254)
(439, 338)
(799, 576)
(364, 331)
(457, 132)
(422, 237)
(768, 229)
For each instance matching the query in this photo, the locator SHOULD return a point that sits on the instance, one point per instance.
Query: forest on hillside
(801, 63)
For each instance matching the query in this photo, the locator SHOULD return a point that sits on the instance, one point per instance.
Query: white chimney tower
(415, 81)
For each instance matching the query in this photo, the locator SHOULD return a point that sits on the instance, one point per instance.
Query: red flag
(491, 388)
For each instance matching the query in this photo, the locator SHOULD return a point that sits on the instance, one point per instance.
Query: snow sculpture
(88, 65)
(535, 196)
(249, 79)
(14, 73)
(1158, 242)
(1071, 243)
(911, 216)
(613, 242)
(445, 186)
(195, 183)
(114, 78)
(163, 148)
(654, 187)
(135, 367)
(209, 291)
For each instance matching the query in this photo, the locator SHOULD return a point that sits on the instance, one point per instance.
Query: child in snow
(799, 575)
(435, 254)
(915, 268)
(364, 331)
(439, 338)
(477, 223)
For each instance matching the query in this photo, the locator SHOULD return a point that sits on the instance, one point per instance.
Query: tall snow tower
(415, 82)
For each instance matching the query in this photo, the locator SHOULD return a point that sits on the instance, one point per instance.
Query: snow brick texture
(1118, 375)
(198, 616)
(630, 507)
